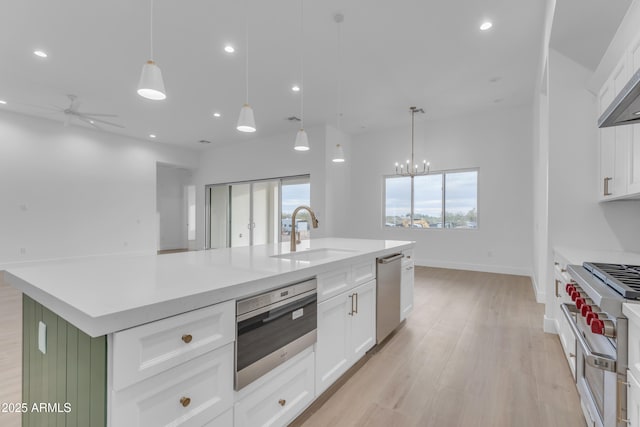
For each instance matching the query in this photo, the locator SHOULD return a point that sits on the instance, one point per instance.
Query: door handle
(606, 187)
(351, 312)
(356, 298)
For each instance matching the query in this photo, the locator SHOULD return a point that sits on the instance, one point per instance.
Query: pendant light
(151, 85)
(302, 141)
(412, 168)
(246, 121)
(338, 152)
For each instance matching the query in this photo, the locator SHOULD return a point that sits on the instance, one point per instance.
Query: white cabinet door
(607, 146)
(406, 290)
(332, 346)
(633, 401)
(363, 322)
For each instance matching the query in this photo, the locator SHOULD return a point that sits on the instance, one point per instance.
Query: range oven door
(601, 388)
(269, 336)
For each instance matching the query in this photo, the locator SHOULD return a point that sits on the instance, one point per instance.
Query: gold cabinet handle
(557, 295)
(606, 186)
(187, 338)
(185, 401)
(572, 355)
(282, 402)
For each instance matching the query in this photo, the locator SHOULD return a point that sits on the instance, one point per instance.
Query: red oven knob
(591, 316)
(586, 309)
(580, 302)
(569, 288)
(597, 326)
(574, 295)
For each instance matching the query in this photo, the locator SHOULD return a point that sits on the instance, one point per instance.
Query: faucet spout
(314, 224)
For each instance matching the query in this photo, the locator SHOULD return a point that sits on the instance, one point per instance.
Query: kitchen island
(152, 337)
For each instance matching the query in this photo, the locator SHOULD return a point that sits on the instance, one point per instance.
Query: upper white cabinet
(619, 148)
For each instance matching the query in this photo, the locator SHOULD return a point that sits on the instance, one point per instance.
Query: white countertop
(101, 295)
(578, 256)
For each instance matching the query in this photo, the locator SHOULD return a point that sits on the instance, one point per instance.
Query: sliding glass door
(248, 213)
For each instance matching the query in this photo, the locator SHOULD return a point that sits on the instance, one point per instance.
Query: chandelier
(411, 168)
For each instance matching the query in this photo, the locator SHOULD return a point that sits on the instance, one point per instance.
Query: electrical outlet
(42, 337)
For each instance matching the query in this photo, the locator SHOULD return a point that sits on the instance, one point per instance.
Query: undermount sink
(314, 254)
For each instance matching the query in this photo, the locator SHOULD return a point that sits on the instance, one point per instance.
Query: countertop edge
(114, 322)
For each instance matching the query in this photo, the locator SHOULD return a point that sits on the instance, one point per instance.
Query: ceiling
(583, 29)
(395, 54)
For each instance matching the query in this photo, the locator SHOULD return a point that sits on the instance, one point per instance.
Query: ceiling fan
(73, 112)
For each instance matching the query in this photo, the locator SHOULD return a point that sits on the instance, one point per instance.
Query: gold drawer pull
(282, 402)
(185, 401)
(187, 338)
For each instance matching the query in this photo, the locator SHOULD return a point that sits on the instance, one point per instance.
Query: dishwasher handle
(390, 258)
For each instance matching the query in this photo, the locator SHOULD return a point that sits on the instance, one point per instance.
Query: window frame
(443, 172)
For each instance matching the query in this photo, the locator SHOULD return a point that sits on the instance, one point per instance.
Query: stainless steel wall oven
(272, 327)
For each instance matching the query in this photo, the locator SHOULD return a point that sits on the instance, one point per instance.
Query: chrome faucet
(295, 236)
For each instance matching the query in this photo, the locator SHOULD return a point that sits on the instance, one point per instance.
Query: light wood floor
(472, 353)
(10, 352)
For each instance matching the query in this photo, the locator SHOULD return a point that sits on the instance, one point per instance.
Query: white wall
(70, 191)
(496, 141)
(576, 219)
(272, 157)
(171, 197)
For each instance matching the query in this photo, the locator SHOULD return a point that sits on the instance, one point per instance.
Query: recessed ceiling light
(637, 113)
(91, 121)
(3, 102)
(40, 53)
(229, 49)
(295, 88)
(217, 114)
(486, 25)
(151, 135)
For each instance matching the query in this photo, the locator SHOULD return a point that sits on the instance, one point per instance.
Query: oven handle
(596, 360)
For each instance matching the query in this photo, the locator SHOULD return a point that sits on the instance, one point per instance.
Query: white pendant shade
(151, 85)
(338, 154)
(302, 142)
(246, 122)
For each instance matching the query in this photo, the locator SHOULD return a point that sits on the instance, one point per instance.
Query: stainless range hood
(625, 108)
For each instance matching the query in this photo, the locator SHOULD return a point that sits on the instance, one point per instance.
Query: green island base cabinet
(179, 370)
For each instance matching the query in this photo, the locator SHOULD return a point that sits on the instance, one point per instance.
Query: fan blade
(84, 119)
(98, 114)
(82, 116)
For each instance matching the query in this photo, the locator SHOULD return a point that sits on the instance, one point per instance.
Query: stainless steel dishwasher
(388, 273)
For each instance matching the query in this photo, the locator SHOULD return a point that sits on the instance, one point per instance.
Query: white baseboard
(500, 269)
(539, 293)
(549, 325)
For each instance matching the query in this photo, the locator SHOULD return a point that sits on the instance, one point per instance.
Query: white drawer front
(363, 272)
(407, 256)
(146, 350)
(224, 420)
(280, 400)
(160, 400)
(333, 283)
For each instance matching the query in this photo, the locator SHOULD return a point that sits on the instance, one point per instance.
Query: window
(447, 199)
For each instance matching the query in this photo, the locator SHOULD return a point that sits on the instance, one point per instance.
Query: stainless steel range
(601, 331)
